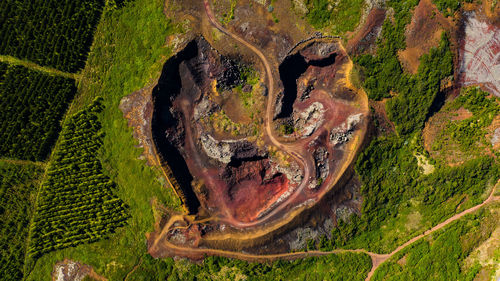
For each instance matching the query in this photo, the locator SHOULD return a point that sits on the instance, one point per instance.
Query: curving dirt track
(158, 243)
(268, 118)
(377, 259)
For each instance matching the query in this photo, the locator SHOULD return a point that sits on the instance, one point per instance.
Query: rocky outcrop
(307, 121)
(321, 160)
(226, 151)
(480, 55)
(344, 132)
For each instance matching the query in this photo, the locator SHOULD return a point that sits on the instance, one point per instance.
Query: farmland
(50, 33)
(18, 186)
(33, 104)
(75, 203)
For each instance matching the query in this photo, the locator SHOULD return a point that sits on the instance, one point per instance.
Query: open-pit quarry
(248, 154)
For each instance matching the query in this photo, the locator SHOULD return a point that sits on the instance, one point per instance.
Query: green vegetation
(128, 53)
(75, 203)
(449, 7)
(338, 16)
(227, 17)
(33, 104)
(414, 93)
(442, 256)
(471, 131)
(49, 32)
(395, 191)
(347, 266)
(383, 71)
(18, 187)
(411, 107)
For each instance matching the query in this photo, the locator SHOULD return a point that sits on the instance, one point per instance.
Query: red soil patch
(423, 33)
(385, 125)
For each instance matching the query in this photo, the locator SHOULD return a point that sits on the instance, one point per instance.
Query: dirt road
(289, 149)
(377, 259)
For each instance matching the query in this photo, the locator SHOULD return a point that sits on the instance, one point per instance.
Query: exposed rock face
(293, 172)
(480, 55)
(343, 133)
(307, 121)
(226, 151)
(220, 151)
(321, 159)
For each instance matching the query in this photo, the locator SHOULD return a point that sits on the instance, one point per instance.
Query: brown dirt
(385, 125)
(364, 39)
(423, 33)
(137, 108)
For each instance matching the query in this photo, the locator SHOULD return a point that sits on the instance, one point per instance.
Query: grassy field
(127, 54)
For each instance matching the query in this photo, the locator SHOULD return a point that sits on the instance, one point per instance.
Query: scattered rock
(69, 270)
(307, 121)
(496, 137)
(321, 160)
(343, 133)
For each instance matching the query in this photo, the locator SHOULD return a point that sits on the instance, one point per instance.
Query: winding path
(377, 259)
(267, 122)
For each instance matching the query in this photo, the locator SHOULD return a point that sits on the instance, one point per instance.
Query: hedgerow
(76, 203)
(32, 104)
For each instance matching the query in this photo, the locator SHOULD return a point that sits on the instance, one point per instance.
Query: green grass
(18, 187)
(470, 132)
(336, 17)
(347, 266)
(127, 54)
(442, 255)
(76, 203)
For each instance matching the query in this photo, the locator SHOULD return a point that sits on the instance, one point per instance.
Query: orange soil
(423, 33)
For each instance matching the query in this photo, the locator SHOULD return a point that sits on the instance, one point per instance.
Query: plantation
(75, 203)
(33, 104)
(18, 186)
(49, 32)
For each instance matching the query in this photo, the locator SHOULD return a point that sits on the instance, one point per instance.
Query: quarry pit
(209, 117)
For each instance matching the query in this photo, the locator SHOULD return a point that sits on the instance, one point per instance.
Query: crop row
(18, 186)
(56, 33)
(33, 104)
(76, 203)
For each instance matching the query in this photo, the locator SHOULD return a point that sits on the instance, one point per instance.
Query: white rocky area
(218, 150)
(309, 120)
(481, 55)
(343, 133)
